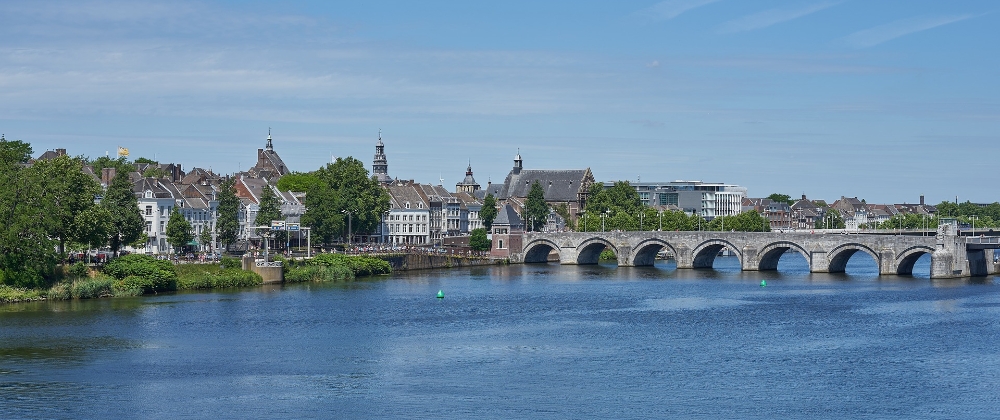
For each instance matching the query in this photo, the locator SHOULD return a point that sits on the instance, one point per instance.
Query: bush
(230, 262)
(79, 270)
(318, 273)
(608, 254)
(15, 294)
(59, 292)
(359, 265)
(216, 277)
(143, 271)
(91, 288)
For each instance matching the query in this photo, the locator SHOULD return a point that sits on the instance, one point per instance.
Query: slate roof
(508, 217)
(402, 192)
(559, 185)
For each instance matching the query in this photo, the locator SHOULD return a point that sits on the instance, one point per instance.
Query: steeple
(270, 147)
(517, 162)
(468, 184)
(380, 166)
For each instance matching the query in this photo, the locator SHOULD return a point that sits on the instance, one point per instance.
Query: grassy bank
(334, 267)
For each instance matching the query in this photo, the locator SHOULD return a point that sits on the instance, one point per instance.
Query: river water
(520, 341)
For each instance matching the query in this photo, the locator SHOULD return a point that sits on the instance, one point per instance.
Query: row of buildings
(428, 215)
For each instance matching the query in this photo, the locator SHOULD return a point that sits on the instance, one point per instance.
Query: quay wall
(406, 262)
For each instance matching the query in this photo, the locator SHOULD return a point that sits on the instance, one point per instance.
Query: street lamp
(973, 217)
(640, 220)
(584, 220)
(661, 220)
(348, 227)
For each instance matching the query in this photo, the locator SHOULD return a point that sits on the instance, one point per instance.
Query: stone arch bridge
(825, 253)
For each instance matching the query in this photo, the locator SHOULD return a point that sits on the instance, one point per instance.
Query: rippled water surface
(521, 341)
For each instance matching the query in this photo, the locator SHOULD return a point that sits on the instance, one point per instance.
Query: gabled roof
(403, 192)
(508, 217)
(559, 185)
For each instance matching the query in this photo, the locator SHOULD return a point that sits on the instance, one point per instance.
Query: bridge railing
(983, 240)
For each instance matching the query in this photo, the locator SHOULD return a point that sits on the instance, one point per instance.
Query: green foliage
(67, 192)
(621, 197)
(229, 262)
(205, 237)
(270, 210)
(489, 211)
(832, 220)
(608, 254)
(781, 198)
(344, 186)
(178, 231)
(59, 291)
(748, 221)
(211, 276)
(91, 288)
(143, 271)
(127, 224)
(79, 270)
(227, 226)
(93, 227)
(318, 273)
(155, 172)
(120, 164)
(146, 160)
(298, 182)
(358, 264)
(478, 240)
(536, 210)
(27, 248)
(10, 294)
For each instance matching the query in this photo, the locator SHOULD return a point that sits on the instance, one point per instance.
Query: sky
(881, 100)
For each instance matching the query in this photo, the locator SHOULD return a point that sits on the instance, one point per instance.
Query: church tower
(380, 167)
(468, 184)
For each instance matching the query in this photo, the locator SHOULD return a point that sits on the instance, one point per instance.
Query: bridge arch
(909, 256)
(769, 255)
(537, 251)
(589, 250)
(644, 252)
(705, 253)
(842, 253)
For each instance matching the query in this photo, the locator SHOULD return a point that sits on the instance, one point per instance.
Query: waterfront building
(269, 165)
(507, 233)
(469, 184)
(409, 220)
(778, 214)
(706, 199)
(569, 187)
(854, 212)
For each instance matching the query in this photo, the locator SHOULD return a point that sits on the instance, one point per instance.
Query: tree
(622, 196)
(270, 209)
(68, 192)
(298, 182)
(345, 187)
(489, 211)
(831, 220)
(536, 209)
(120, 164)
(206, 238)
(127, 223)
(178, 231)
(227, 224)
(478, 240)
(93, 227)
(781, 198)
(27, 252)
(748, 221)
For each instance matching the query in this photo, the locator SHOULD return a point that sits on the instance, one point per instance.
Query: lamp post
(348, 228)
(640, 220)
(661, 221)
(973, 217)
(584, 220)
(603, 216)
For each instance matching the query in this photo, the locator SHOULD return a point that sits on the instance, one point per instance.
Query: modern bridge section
(950, 257)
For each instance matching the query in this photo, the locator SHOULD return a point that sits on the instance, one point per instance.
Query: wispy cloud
(882, 33)
(669, 9)
(771, 17)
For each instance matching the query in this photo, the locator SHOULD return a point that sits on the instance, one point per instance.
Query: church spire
(269, 145)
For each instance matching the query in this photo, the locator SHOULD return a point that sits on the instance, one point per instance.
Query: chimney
(61, 152)
(108, 175)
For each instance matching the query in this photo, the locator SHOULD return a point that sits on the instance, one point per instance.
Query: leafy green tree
(478, 240)
(206, 238)
(781, 198)
(93, 227)
(155, 172)
(120, 164)
(489, 211)
(146, 160)
(916, 221)
(748, 221)
(178, 231)
(127, 224)
(536, 209)
(270, 209)
(832, 220)
(27, 251)
(622, 196)
(227, 224)
(68, 192)
(345, 187)
(298, 182)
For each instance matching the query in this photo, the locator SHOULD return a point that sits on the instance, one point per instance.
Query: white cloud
(771, 17)
(882, 33)
(669, 9)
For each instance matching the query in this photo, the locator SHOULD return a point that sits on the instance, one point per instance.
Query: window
(149, 210)
(500, 244)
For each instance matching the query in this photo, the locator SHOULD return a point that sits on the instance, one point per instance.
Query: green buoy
(763, 283)
(440, 294)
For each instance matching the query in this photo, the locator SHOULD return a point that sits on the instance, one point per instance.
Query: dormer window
(149, 194)
(407, 204)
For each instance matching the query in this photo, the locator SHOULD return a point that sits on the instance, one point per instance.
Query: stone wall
(406, 262)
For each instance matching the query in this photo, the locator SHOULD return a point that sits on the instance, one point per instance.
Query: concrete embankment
(408, 262)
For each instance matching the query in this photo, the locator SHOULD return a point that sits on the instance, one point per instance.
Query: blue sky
(882, 100)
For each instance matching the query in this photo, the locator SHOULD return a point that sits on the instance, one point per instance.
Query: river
(520, 341)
